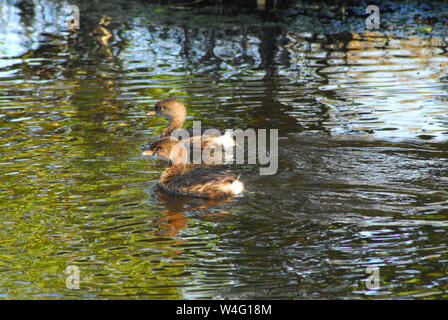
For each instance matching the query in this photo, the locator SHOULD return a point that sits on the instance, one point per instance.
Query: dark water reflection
(362, 177)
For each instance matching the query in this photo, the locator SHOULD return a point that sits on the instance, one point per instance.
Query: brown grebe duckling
(176, 113)
(207, 183)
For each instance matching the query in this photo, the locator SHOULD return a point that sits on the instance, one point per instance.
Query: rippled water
(362, 179)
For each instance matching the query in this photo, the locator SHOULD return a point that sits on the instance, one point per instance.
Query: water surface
(362, 179)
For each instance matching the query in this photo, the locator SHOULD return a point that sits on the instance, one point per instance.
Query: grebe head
(170, 108)
(167, 148)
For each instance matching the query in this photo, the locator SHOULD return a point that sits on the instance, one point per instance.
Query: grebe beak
(148, 153)
(151, 113)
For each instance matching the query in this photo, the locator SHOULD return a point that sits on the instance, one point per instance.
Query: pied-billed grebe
(175, 112)
(207, 183)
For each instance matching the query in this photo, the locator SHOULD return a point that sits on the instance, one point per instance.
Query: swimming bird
(209, 137)
(207, 183)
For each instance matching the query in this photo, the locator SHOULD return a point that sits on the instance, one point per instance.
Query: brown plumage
(208, 183)
(175, 112)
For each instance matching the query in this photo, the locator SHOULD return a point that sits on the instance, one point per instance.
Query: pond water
(362, 179)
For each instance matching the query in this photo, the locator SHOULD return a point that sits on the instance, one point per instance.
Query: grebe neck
(175, 123)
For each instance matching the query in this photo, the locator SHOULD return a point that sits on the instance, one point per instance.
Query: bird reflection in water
(176, 206)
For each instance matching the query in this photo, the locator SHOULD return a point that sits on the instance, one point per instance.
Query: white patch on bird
(226, 140)
(236, 187)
